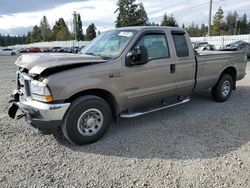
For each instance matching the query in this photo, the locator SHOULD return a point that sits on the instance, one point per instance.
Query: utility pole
(74, 24)
(210, 17)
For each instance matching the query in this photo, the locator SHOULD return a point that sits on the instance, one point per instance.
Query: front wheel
(223, 89)
(86, 120)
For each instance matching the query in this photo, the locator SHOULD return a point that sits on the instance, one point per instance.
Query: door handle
(172, 68)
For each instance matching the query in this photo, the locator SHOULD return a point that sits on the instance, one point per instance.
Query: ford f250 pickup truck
(123, 73)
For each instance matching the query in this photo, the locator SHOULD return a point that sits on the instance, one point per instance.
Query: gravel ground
(198, 144)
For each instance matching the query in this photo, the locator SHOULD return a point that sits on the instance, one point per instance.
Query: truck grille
(23, 84)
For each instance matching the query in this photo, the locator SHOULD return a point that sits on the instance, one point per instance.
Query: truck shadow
(199, 129)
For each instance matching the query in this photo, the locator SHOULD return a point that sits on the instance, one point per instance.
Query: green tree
(2, 42)
(152, 24)
(11, 40)
(45, 29)
(231, 22)
(193, 30)
(35, 35)
(60, 30)
(243, 25)
(90, 32)
(168, 21)
(130, 14)
(218, 22)
(77, 24)
(203, 30)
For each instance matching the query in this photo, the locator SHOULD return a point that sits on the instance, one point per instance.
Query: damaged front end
(37, 111)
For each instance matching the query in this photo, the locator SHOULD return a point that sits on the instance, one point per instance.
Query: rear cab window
(180, 43)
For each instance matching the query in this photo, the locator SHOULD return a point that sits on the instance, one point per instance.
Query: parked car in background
(35, 50)
(23, 50)
(8, 51)
(203, 46)
(74, 50)
(46, 50)
(198, 44)
(56, 49)
(206, 47)
(238, 46)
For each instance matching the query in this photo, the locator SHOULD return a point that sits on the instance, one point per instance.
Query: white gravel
(198, 144)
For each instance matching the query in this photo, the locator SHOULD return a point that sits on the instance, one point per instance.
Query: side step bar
(136, 114)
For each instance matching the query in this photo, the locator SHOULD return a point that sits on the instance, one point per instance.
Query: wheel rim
(226, 88)
(90, 122)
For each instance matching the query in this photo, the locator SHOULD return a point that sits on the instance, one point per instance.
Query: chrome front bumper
(40, 115)
(43, 111)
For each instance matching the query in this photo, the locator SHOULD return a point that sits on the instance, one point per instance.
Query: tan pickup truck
(123, 73)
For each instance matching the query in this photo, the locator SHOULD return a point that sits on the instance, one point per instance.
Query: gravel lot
(198, 144)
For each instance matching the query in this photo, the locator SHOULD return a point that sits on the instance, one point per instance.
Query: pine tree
(192, 30)
(218, 23)
(243, 25)
(168, 21)
(60, 30)
(77, 24)
(45, 29)
(130, 14)
(203, 30)
(36, 35)
(90, 32)
(231, 24)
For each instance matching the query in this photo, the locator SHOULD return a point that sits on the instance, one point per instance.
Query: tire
(13, 53)
(223, 89)
(86, 120)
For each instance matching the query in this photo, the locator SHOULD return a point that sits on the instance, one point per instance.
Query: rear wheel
(86, 120)
(223, 89)
(13, 53)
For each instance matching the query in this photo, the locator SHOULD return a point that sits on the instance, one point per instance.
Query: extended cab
(125, 72)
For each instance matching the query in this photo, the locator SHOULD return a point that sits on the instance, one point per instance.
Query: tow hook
(12, 110)
(20, 116)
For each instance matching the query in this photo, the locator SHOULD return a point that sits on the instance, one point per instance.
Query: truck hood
(38, 63)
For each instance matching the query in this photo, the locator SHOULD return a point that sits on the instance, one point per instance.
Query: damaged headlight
(40, 91)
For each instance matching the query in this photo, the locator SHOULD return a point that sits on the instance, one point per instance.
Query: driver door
(152, 81)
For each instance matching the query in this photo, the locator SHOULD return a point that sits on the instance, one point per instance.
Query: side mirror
(138, 56)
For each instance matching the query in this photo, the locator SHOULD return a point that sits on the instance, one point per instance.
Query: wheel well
(232, 72)
(105, 95)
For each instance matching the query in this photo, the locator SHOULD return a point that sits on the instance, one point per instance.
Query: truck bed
(211, 63)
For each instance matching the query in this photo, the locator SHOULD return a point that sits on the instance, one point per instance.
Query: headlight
(40, 91)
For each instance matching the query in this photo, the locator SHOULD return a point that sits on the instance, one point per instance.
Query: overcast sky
(18, 16)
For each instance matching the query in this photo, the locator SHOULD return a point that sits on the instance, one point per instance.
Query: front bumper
(40, 115)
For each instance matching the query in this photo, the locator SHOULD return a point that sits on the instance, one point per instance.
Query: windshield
(109, 44)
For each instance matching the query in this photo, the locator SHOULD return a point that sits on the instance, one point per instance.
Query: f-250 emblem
(115, 75)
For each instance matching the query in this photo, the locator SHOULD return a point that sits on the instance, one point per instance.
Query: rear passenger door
(184, 63)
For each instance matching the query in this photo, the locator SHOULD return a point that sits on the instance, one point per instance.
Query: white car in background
(7, 51)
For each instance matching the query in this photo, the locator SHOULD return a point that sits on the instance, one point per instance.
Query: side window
(181, 46)
(243, 45)
(156, 45)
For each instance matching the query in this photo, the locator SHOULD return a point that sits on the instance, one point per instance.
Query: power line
(161, 9)
(188, 8)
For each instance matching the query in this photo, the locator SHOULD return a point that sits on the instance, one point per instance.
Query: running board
(136, 114)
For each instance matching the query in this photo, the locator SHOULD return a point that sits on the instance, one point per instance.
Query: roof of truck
(148, 28)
